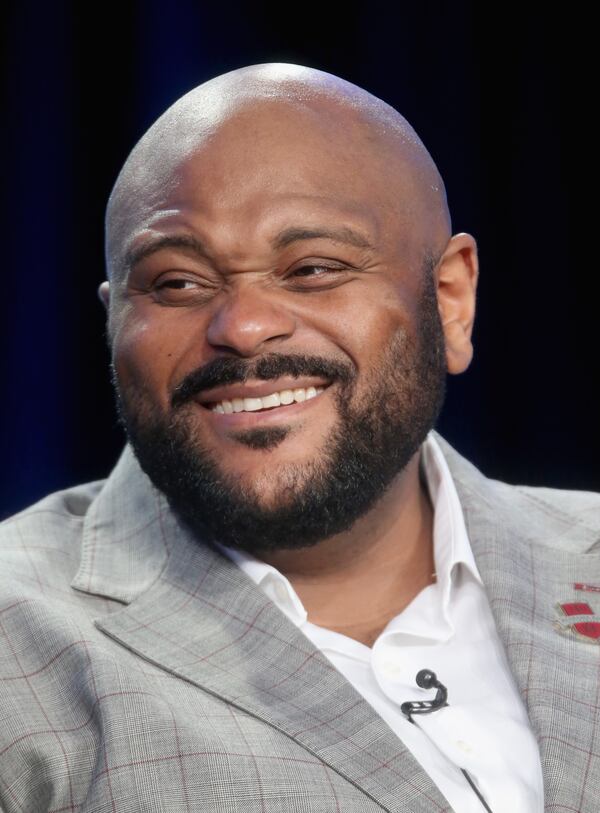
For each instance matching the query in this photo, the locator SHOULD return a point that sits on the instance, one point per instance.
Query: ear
(104, 294)
(457, 274)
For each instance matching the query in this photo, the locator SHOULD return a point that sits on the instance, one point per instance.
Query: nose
(247, 320)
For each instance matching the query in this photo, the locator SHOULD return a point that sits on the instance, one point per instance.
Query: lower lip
(250, 420)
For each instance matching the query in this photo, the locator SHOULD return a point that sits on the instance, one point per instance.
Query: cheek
(363, 324)
(144, 358)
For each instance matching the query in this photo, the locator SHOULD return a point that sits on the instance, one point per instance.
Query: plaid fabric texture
(142, 671)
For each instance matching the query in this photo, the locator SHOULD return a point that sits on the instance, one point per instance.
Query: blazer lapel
(193, 613)
(531, 556)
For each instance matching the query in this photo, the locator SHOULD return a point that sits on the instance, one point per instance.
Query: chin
(270, 484)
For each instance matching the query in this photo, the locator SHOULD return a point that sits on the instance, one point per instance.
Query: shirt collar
(277, 587)
(450, 540)
(451, 545)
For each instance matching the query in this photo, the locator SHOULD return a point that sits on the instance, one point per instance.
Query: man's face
(272, 272)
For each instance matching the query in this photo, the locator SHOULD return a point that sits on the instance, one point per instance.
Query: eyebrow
(137, 253)
(343, 235)
(282, 240)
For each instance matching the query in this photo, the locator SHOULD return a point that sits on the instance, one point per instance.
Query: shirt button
(464, 746)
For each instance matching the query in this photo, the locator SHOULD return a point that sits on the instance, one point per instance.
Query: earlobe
(104, 294)
(459, 347)
(457, 274)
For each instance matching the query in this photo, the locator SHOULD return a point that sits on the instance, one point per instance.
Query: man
(236, 618)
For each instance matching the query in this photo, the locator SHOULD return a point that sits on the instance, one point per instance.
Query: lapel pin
(578, 620)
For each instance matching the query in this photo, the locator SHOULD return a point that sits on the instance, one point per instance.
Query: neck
(356, 582)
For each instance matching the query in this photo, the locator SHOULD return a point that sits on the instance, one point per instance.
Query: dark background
(502, 96)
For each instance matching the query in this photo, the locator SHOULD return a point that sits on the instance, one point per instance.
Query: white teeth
(271, 400)
(275, 399)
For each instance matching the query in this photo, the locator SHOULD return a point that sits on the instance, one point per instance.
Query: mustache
(221, 371)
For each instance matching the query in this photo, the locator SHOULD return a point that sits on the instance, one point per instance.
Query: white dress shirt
(448, 628)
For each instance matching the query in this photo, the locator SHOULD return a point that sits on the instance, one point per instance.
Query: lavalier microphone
(426, 679)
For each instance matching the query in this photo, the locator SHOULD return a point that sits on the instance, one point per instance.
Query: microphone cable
(426, 679)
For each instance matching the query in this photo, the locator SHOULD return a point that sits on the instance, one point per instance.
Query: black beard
(369, 446)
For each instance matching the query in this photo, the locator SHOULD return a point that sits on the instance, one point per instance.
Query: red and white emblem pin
(575, 623)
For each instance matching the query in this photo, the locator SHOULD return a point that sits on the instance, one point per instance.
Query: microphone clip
(426, 679)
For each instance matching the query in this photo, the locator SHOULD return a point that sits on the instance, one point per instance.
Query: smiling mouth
(275, 399)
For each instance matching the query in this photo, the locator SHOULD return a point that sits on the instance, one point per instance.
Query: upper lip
(259, 389)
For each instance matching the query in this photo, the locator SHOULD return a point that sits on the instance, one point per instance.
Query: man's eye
(313, 270)
(317, 277)
(176, 284)
(183, 291)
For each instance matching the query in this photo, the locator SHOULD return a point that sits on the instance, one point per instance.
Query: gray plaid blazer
(142, 671)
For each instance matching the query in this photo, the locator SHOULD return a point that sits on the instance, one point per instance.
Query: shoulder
(580, 506)
(553, 517)
(54, 512)
(42, 543)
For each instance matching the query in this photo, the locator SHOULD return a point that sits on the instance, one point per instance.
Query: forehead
(275, 150)
(275, 165)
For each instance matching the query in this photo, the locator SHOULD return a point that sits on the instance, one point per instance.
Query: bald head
(275, 115)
